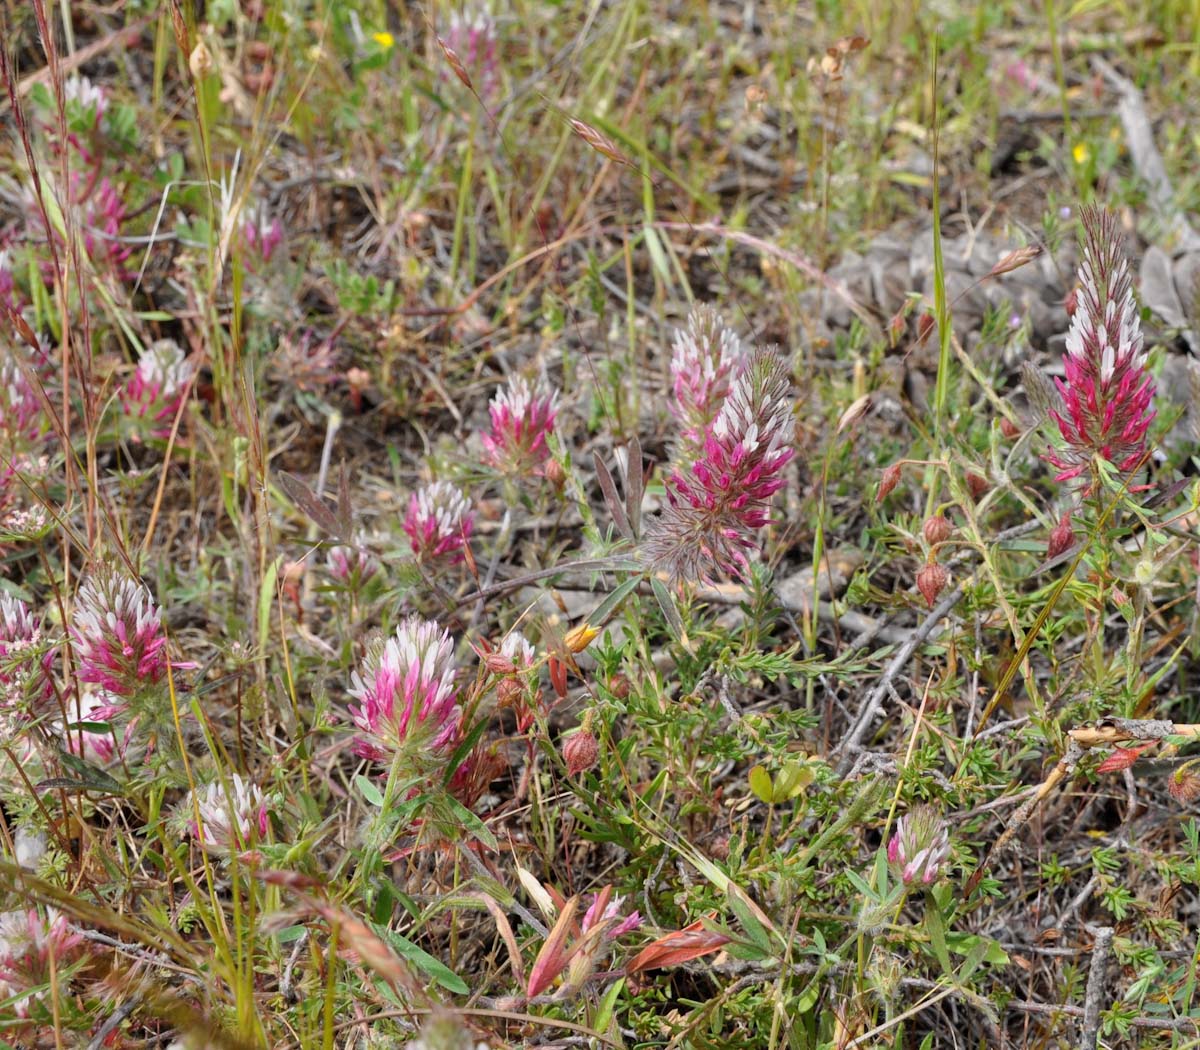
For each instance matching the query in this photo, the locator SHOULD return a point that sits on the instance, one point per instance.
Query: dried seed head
(936, 530)
(889, 480)
(931, 581)
(1062, 537)
(1183, 785)
(1015, 259)
(580, 752)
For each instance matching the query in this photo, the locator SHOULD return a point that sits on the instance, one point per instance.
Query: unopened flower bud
(200, 61)
(579, 638)
(925, 325)
(889, 480)
(931, 581)
(1071, 302)
(977, 485)
(618, 685)
(1009, 429)
(580, 751)
(555, 474)
(936, 530)
(1062, 536)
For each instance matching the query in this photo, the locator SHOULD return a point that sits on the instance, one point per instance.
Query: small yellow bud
(385, 40)
(579, 638)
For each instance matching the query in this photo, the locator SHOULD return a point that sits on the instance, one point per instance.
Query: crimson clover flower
(707, 358)
(1106, 399)
(231, 820)
(117, 634)
(603, 910)
(439, 522)
(717, 502)
(261, 236)
(920, 847)
(352, 566)
(522, 419)
(406, 693)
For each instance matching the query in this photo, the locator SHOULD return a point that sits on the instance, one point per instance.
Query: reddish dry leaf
(678, 947)
(1123, 758)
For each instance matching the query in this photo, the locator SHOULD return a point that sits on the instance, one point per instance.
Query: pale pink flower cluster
(708, 356)
(25, 658)
(406, 693)
(353, 566)
(28, 943)
(522, 419)
(230, 821)
(91, 98)
(595, 915)
(101, 749)
(920, 847)
(117, 634)
(261, 236)
(718, 500)
(1107, 398)
(155, 390)
(439, 522)
(21, 415)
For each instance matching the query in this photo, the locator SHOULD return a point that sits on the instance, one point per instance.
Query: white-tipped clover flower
(522, 419)
(439, 522)
(406, 693)
(32, 947)
(117, 634)
(91, 98)
(230, 820)
(25, 658)
(920, 847)
(155, 390)
(708, 356)
(101, 749)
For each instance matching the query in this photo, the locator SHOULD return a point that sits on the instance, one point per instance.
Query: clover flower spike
(1106, 401)
(117, 634)
(707, 358)
(439, 522)
(522, 419)
(231, 820)
(406, 693)
(920, 847)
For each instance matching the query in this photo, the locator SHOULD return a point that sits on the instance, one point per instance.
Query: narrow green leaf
(369, 791)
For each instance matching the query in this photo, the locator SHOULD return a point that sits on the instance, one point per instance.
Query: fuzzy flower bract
(155, 390)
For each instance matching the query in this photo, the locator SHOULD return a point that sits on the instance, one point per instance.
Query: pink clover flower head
(100, 749)
(920, 848)
(351, 565)
(406, 693)
(708, 356)
(7, 284)
(1107, 398)
(598, 913)
(28, 943)
(522, 419)
(155, 390)
(716, 503)
(25, 657)
(439, 522)
(262, 236)
(472, 36)
(21, 415)
(117, 634)
(230, 821)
